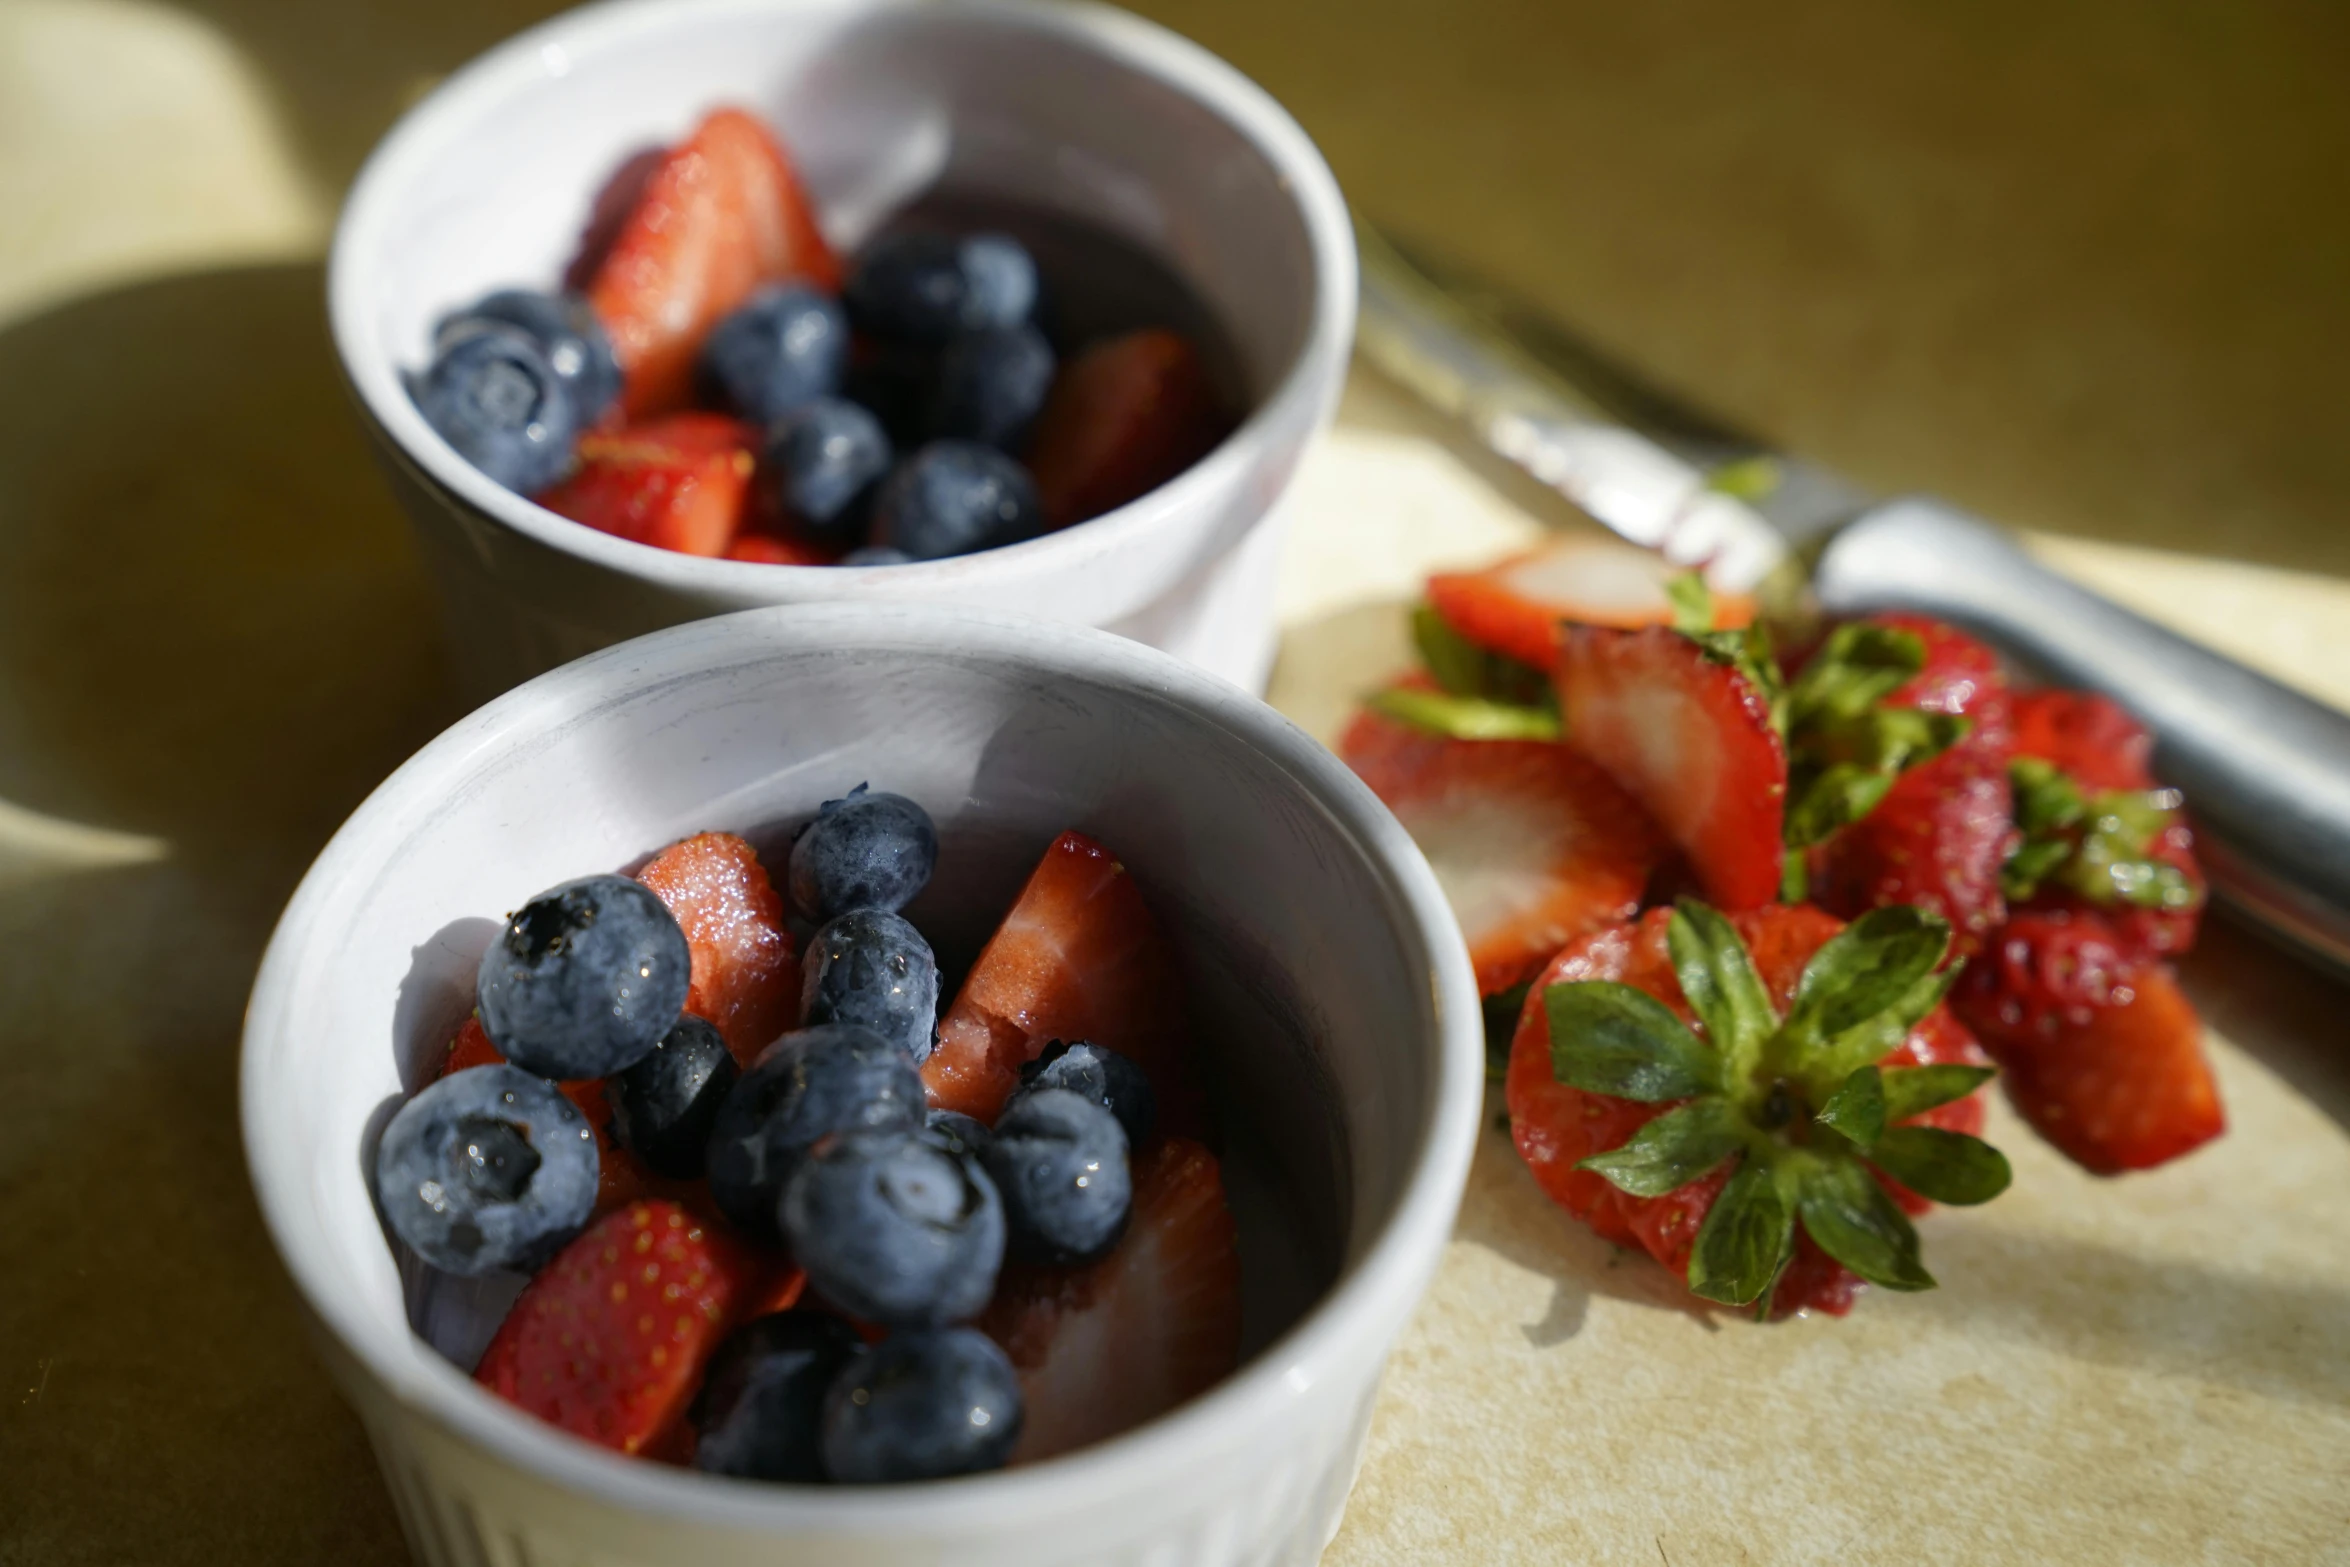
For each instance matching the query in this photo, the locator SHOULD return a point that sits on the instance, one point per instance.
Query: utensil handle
(2266, 770)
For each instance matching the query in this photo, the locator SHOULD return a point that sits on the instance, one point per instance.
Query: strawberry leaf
(1465, 717)
(1607, 1038)
(1746, 1240)
(1501, 1028)
(1825, 1064)
(1913, 1090)
(1845, 745)
(1693, 603)
(1857, 1108)
(1674, 1149)
(2098, 846)
(1833, 798)
(1948, 1167)
(1869, 967)
(1851, 1219)
(1719, 980)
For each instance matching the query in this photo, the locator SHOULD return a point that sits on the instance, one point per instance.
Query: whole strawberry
(2098, 834)
(1759, 1101)
(1900, 730)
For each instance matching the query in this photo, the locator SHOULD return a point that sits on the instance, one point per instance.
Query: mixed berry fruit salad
(710, 378)
(1758, 925)
(786, 1217)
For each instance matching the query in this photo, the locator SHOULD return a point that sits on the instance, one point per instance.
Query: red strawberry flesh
(1123, 417)
(609, 1340)
(678, 483)
(1078, 957)
(1516, 606)
(1691, 740)
(746, 977)
(1532, 843)
(721, 214)
(1101, 1349)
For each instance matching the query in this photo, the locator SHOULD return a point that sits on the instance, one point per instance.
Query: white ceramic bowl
(1082, 111)
(1329, 989)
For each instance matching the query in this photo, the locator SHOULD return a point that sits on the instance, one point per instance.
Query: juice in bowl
(1124, 847)
(787, 251)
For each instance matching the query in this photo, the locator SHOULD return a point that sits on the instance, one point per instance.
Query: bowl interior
(1308, 965)
(1075, 114)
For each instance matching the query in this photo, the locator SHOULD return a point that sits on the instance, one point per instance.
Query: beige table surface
(2077, 265)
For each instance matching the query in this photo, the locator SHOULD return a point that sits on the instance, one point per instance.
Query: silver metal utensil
(2266, 770)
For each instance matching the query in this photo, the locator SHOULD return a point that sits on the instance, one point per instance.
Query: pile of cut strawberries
(612, 1337)
(1765, 916)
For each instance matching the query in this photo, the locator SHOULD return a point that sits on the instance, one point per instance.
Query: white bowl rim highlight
(1369, 1299)
(1128, 40)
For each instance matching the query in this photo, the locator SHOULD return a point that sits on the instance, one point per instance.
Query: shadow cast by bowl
(211, 635)
(1507, 1214)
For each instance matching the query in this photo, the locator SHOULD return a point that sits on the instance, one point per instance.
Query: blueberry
(921, 289)
(990, 385)
(877, 555)
(821, 460)
(810, 1085)
(1059, 1164)
(894, 386)
(922, 1406)
(964, 1136)
(1107, 1078)
(567, 332)
(780, 349)
(487, 1168)
(664, 1106)
(895, 1229)
(585, 980)
(762, 1400)
(999, 281)
(953, 497)
(871, 968)
(492, 394)
(863, 851)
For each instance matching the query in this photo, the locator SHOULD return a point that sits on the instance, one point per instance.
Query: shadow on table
(212, 637)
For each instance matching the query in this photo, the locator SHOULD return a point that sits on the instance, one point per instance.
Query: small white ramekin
(1330, 994)
(1077, 109)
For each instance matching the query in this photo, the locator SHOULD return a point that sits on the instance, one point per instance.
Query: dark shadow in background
(212, 632)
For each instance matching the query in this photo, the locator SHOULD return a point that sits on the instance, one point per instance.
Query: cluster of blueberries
(901, 1216)
(948, 365)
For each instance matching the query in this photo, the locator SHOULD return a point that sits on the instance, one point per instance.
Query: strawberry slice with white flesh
(1516, 606)
(1686, 728)
(1103, 1348)
(1532, 843)
(1078, 957)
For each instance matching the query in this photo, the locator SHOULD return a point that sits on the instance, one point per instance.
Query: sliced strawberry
(1078, 957)
(1515, 607)
(609, 1340)
(1532, 843)
(746, 976)
(1103, 1348)
(2101, 748)
(770, 549)
(1556, 1125)
(680, 483)
(1943, 830)
(1123, 418)
(2101, 1051)
(1691, 739)
(621, 1178)
(721, 214)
